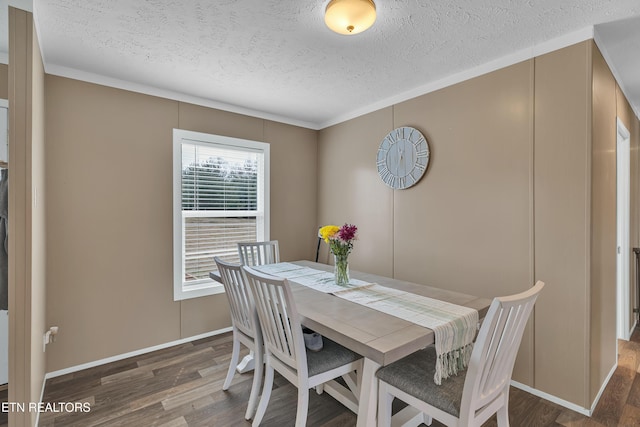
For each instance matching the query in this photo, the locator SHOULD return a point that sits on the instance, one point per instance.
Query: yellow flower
(328, 231)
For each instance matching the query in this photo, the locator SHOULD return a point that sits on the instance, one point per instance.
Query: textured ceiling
(277, 58)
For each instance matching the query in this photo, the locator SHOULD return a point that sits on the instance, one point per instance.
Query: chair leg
(234, 362)
(255, 386)
(503, 416)
(303, 406)
(266, 395)
(384, 406)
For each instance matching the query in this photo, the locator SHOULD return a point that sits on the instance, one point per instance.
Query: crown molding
(99, 79)
(505, 61)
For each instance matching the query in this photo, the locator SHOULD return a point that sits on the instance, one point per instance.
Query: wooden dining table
(380, 338)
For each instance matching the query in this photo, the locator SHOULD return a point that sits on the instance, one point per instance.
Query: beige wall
(507, 200)
(38, 195)
(561, 227)
(349, 190)
(473, 204)
(603, 224)
(26, 212)
(4, 81)
(109, 183)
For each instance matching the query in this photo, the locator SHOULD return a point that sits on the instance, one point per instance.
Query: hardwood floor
(182, 386)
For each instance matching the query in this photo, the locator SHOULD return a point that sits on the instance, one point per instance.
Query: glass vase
(341, 269)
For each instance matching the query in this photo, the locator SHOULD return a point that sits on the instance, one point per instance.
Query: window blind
(220, 205)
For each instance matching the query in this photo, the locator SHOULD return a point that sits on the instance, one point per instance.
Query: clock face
(402, 158)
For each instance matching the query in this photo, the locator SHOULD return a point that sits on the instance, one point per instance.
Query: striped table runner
(454, 326)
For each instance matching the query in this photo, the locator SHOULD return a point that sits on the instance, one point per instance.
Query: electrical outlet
(49, 336)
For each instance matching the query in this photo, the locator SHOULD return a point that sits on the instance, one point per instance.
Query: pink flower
(347, 232)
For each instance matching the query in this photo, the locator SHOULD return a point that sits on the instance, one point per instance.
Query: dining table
(379, 337)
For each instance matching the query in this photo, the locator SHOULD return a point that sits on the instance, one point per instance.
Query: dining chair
(259, 253)
(285, 349)
(474, 395)
(246, 328)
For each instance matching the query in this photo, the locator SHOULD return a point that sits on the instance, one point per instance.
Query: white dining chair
(246, 328)
(285, 349)
(473, 396)
(259, 253)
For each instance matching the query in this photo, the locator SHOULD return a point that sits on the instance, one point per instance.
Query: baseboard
(131, 354)
(554, 399)
(604, 385)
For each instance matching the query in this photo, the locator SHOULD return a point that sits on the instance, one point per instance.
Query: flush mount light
(350, 16)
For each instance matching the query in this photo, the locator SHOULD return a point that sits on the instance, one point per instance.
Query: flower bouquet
(340, 240)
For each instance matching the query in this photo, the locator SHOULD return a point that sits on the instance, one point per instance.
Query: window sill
(213, 288)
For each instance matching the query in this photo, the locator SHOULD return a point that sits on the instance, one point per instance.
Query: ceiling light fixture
(350, 16)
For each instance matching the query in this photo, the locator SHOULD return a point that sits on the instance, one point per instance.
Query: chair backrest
(494, 352)
(259, 253)
(243, 312)
(279, 320)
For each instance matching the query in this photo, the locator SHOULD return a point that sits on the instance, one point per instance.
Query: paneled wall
(603, 223)
(4, 81)
(472, 207)
(561, 222)
(27, 205)
(507, 200)
(474, 204)
(109, 182)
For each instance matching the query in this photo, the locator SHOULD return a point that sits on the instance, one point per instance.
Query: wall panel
(109, 273)
(467, 225)
(294, 180)
(109, 219)
(4, 81)
(349, 189)
(561, 222)
(603, 224)
(38, 191)
(26, 226)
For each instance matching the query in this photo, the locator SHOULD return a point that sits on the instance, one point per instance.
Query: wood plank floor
(182, 386)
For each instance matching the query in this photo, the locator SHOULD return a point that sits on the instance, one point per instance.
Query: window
(220, 198)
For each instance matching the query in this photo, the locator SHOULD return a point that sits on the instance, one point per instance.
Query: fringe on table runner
(454, 344)
(452, 362)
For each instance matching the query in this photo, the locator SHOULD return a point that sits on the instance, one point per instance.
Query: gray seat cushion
(331, 356)
(414, 375)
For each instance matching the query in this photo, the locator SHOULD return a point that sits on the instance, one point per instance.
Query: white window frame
(206, 287)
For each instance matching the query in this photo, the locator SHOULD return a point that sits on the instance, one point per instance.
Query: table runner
(454, 326)
(321, 281)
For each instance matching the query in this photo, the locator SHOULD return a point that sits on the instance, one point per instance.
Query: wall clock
(402, 158)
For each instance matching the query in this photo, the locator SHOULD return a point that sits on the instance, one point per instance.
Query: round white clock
(402, 158)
